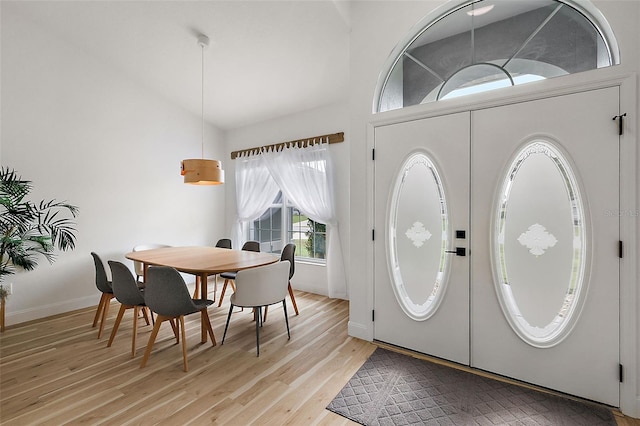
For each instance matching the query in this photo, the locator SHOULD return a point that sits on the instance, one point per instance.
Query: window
(482, 45)
(274, 230)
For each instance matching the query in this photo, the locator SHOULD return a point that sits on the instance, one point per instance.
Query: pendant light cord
(202, 105)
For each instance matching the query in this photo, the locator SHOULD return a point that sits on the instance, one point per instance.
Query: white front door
(544, 251)
(525, 188)
(421, 213)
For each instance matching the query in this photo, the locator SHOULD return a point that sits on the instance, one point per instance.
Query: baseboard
(17, 317)
(360, 331)
(311, 289)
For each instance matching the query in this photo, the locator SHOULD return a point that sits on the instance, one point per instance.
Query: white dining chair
(258, 287)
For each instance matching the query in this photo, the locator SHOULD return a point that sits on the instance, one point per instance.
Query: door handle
(459, 251)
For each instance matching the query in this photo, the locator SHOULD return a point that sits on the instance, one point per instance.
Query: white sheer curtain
(305, 177)
(255, 191)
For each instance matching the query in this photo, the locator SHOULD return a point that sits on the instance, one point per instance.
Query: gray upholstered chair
(104, 286)
(224, 243)
(167, 295)
(130, 296)
(288, 253)
(258, 287)
(229, 277)
(138, 266)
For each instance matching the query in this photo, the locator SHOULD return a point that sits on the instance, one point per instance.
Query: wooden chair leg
(116, 324)
(184, 342)
(145, 314)
(152, 339)
(224, 288)
(207, 323)
(136, 311)
(105, 312)
(175, 330)
(264, 317)
(99, 309)
(293, 299)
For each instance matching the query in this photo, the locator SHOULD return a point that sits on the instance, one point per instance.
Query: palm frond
(28, 230)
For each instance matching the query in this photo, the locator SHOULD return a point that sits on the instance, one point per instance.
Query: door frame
(628, 209)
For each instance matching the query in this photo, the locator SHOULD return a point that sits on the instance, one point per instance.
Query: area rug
(395, 389)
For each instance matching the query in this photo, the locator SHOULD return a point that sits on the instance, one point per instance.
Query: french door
(497, 250)
(422, 199)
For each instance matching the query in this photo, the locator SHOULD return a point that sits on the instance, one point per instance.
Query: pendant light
(198, 171)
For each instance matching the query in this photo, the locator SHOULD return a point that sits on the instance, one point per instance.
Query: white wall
(376, 28)
(320, 121)
(85, 133)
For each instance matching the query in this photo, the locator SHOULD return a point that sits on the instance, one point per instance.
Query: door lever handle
(459, 251)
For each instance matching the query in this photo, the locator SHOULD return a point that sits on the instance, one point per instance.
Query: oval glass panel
(539, 250)
(417, 237)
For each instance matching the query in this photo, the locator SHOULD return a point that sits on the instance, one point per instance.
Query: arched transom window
(477, 46)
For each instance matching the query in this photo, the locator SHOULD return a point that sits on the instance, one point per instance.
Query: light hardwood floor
(55, 371)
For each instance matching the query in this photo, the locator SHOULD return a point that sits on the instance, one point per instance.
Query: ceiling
(266, 59)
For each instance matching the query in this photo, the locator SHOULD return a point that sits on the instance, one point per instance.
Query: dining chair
(222, 243)
(104, 286)
(288, 253)
(258, 287)
(130, 296)
(139, 266)
(168, 296)
(229, 277)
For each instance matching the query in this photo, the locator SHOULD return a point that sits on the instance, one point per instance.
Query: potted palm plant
(29, 230)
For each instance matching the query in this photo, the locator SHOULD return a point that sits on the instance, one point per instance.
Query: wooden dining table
(201, 262)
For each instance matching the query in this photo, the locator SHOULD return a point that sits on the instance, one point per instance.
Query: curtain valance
(330, 138)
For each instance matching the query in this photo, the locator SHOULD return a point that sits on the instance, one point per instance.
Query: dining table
(201, 261)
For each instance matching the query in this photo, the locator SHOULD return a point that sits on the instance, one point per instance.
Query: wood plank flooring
(55, 371)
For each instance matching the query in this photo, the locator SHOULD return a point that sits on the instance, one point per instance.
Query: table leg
(203, 295)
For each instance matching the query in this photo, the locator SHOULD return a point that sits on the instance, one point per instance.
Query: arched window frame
(586, 8)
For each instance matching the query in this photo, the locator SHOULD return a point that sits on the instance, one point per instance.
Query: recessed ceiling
(266, 59)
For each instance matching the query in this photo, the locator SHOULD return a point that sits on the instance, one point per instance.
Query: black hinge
(620, 250)
(373, 234)
(373, 154)
(620, 373)
(373, 317)
(620, 123)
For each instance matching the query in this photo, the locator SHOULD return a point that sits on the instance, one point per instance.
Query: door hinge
(373, 234)
(373, 154)
(373, 316)
(620, 250)
(620, 123)
(620, 373)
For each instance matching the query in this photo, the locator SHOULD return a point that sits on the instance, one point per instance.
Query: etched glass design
(417, 235)
(540, 268)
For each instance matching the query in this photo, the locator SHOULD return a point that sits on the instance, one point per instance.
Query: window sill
(310, 262)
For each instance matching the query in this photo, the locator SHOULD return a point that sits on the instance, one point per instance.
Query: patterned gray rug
(395, 389)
